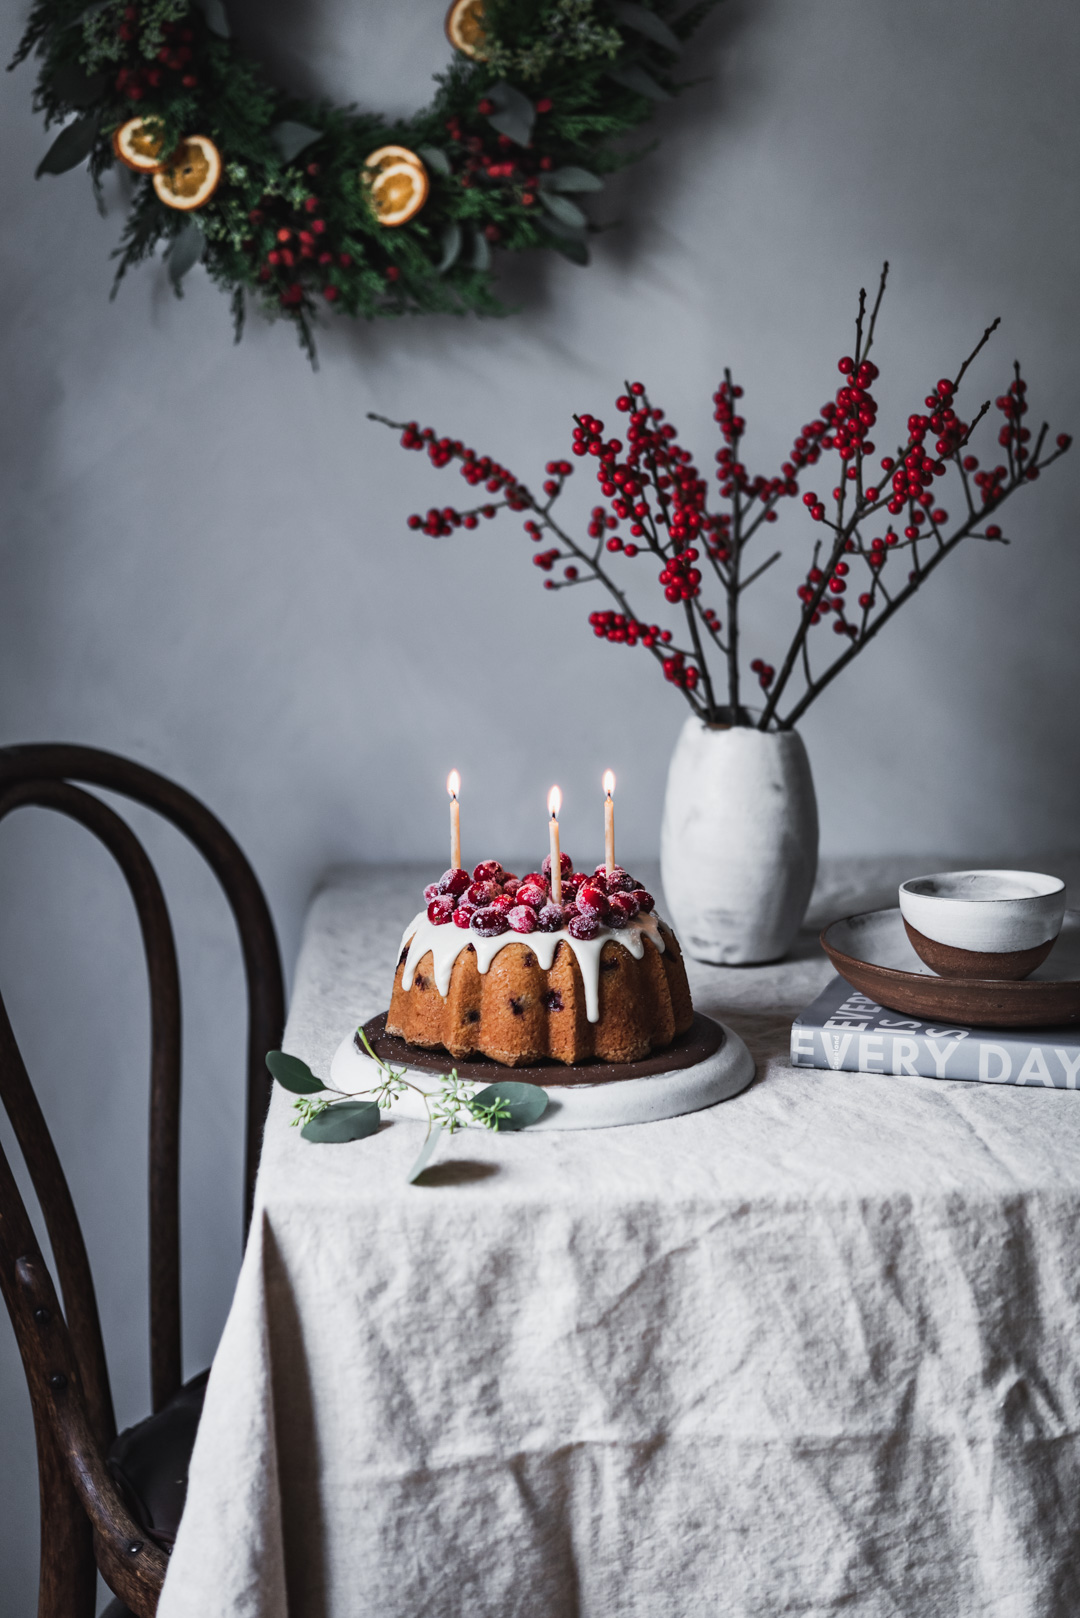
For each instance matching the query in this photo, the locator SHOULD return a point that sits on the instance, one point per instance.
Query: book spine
(956, 1054)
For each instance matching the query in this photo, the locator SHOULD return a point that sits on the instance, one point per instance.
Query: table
(814, 1351)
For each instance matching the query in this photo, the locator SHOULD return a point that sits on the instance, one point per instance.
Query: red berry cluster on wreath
(173, 61)
(651, 487)
(496, 162)
(492, 901)
(287, 241)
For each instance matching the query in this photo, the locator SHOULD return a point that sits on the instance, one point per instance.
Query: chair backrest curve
(35, 1142)
(258, 941)
(62, 1351)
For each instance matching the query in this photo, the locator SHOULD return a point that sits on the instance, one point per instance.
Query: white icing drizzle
(446, 943)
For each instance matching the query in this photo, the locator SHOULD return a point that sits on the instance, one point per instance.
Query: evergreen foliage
(509, 143)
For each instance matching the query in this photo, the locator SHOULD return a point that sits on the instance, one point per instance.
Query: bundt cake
(494, 967)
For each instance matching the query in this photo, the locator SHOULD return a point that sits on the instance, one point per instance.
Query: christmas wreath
(300, 206)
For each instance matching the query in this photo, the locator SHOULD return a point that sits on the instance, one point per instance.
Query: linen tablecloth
(813, 1351)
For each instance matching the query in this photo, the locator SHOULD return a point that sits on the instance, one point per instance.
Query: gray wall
(205, 565)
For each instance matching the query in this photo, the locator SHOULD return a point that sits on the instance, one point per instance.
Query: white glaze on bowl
(993, 912)
(447, 941)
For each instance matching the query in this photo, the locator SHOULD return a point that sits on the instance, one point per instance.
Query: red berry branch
(655, 505)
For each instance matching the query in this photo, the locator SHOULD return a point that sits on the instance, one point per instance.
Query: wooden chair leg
(68, 1585)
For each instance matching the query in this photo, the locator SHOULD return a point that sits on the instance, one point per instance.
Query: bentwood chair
(107, 1501)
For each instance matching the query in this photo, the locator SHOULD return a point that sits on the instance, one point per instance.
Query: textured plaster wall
(203, 561)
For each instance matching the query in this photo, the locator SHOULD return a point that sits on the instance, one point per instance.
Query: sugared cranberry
(550, 918)
(534, 877)
(645, 901)
(482, 893)
(583, 926)
(440, 911)
(463, 915)
(487, 871)
(532, 893)
(503, 902)
(432, 891)
(566, 864)
(522, 919)
(592, 900)
(622, 907)
(620, 881)
(489, 922)
(572, 883)
(454, 882)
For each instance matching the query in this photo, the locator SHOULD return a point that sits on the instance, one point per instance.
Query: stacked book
(845, 1031)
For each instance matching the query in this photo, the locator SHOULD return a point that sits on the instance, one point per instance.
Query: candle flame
(609, 782)
(453, 783)
(554, 803)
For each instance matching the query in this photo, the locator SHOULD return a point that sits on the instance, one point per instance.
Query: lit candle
(453, 786)
(609, 821)
(554, 805)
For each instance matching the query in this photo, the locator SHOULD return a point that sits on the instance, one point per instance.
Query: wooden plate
(873, 953)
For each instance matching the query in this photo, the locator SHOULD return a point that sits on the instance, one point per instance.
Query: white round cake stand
(583, 1106)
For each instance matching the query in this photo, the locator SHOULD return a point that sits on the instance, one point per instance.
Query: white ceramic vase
(739, 842)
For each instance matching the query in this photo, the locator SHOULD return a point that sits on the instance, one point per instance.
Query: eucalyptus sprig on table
(507, 1104)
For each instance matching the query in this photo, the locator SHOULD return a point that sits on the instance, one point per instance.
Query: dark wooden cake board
(702, 1039)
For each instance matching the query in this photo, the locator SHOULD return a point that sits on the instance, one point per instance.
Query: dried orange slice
(383, 156)
(192, 174)
(398, 190)
(136, 144)
(465, 28)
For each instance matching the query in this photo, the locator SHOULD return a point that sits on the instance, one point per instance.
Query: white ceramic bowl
(986, 912)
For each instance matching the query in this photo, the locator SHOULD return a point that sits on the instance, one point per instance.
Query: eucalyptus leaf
(563, 209)
(571, 179)
(481, 252)
(216, 19)
(71, 83)
(644, 21)
(434, 158)
(565, 232)
(527, 1102)
(634, 77)
(426, 1154)
(186, 251)
(71, 147)
(291, 139)
(451, 247)
(511, 124)
(514, 113)
(292, 1074)
(342, 1121)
